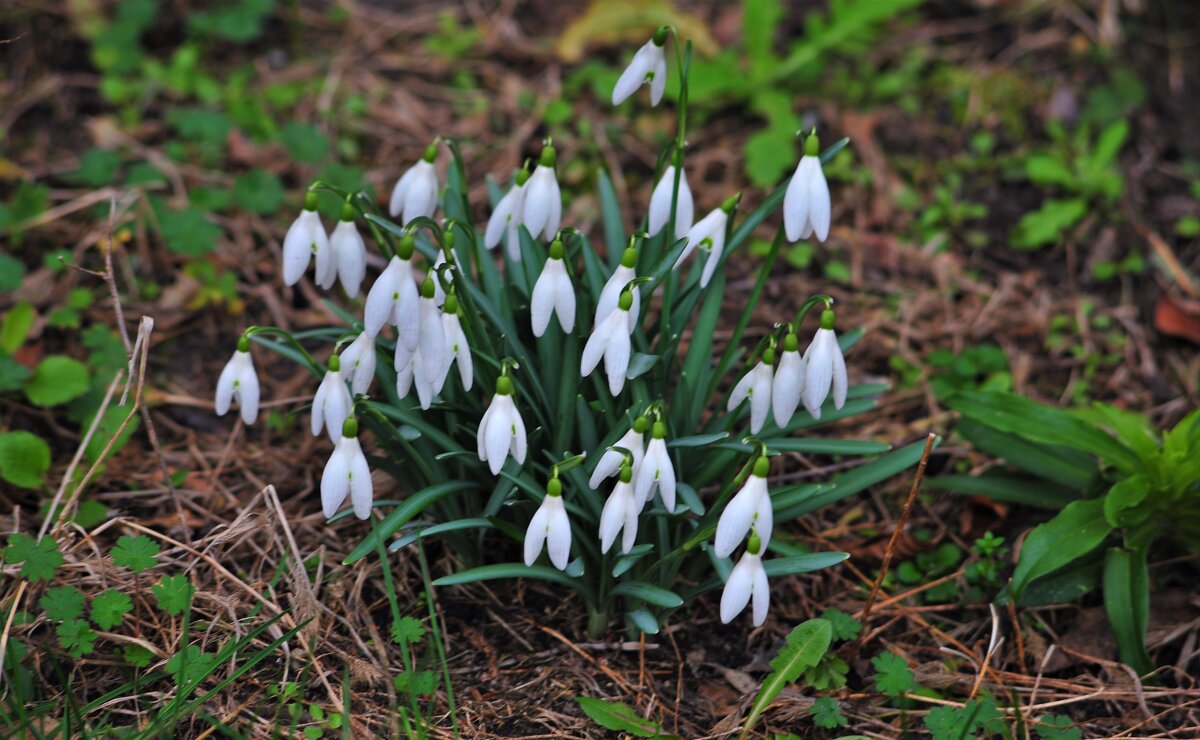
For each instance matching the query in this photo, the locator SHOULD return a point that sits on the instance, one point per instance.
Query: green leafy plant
(1121, 489)
(807, 644)
(618, 716)
(1083, 170)
(556, 421)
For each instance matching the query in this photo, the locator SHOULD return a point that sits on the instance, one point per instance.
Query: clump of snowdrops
(523, 384)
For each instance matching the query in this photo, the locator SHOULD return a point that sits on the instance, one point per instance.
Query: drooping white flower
(620, 512)
(439, 294)
(806, 202)
(393, 297)
(306, 240)
(505, 222)
(403, 365)
(788, 383)
(648, 67)
(709, 234)
(610, 294)
(550, 527)
(656, 471)
(747, 582)
(660, 203)
(349, 254)
(331, 405)
(456, 348)
(358, 362)
(347, 474)
(756, 385)
(824, 366)
(501, 430)
(416, 192)
(610, 340)
(239, 382)
(553, 293)
(610, 462)
(541, 211)
(429, 363)
(751, 507)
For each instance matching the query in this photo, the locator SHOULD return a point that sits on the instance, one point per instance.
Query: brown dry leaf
(1178, 317)
(606, 23)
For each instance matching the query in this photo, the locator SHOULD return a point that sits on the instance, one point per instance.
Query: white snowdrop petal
(819, 206)
(499, 434)
(507, 209)
(796, 203)
(760, 396)
(764, 515)
(595, 347)
(334, 483)
(519, 441)
(818, 373)
(396, 203)
(318, 406)
(630, 530)
(349, 256)
(612, 516)
(735, 521)
(225, 383)
(541, 303)
(299, 244)
(535, 534)
(423, 380)
(660, 202)
(466, 366)
(539, 190)
(685, 209)
(840, 379)
(659, 84)
(785, 389)
(647, 475)
(481, 435)
(558, 536)
(554, 217)
(741, 391)
(761, 591)
(564, 302)
(362, 494)
(714, 257)
(337, 407)
(633, 76)
(737, 591)
(420, 198)
(616, 359)
(666, 481)
(248, 391)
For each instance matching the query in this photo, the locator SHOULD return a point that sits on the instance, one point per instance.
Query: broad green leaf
(1044, 169)
(1038, 422)
(639, 364)
(615, 715)
(644, 621)
(1127, 604)
(1132, 428)
(16, 326)
(699, 440)
(859, 479)
(186, 231)
(1069, 468)
(1076, 531)
(1063, 585)
(614, 223)
(1002, 486)
(502, 571)
(649, 593)
(304, 141)
(806, 645)
(12, 270)
(401, 515)
(1122, 502)
(1047, 224)
(817, 446)
(1109, 144)
(24, 459)
(57, 380)
(436, 529)
(777, 567)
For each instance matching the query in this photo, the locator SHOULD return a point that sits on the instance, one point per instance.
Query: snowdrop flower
(751, 507)
(505, 222)
(349, 258)
(789, 381)
(358, 359)
(747, 581)
(456, 348)
(610, 294)
(501, 430)
(806, 202)
(439, 294)
(403, 365)
(306, 239)
(660, 203)
(393, 297)
(550, 526)
(347, 474)
(429, 364)
(824, 366)
(656, 471)
(756, 385)
(416, 193)
(620, 513)
(239, 382)
(331, 406)
(553, 293)
(649, 66)
(610, 340)
(610, 462)
(709, 234)
(541, 210)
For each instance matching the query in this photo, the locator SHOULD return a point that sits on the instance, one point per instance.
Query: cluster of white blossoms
(427, 316)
